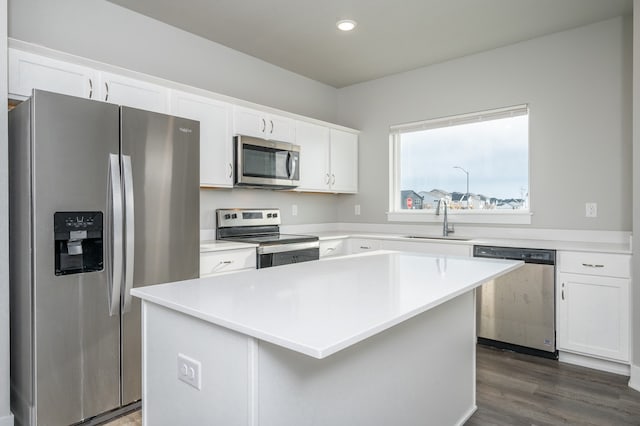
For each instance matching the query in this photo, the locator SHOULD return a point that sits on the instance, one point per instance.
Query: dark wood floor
(515, 389)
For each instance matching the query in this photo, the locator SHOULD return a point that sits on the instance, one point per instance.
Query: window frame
(396, 214)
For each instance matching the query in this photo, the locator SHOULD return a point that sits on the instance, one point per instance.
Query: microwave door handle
(291, 165)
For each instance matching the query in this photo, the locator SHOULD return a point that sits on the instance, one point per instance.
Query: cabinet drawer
(360, 245)
(215, 262)
(330, 248)
(602, 264)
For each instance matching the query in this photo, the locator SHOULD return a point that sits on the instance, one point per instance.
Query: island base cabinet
(421, 371)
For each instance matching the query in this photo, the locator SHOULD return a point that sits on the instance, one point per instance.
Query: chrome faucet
(446, 230)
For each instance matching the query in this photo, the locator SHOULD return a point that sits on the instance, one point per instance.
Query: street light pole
(467, 173)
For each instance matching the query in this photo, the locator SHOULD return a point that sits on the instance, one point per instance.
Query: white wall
(577, 84)
(6, 419)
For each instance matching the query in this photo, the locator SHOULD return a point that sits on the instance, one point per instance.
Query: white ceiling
(391, 36)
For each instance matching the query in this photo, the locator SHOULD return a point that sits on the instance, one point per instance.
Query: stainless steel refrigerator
(102, 198)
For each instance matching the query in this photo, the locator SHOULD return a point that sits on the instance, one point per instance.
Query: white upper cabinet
(344, 161)
(328, 159)
(216, 143)
(314, 156)
(251, 122)
(28, 71)
(120, 90)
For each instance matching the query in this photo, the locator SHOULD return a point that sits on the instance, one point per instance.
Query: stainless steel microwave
(266, 163)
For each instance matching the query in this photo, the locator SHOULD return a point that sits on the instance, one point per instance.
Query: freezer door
(76, 340)
(162, 195)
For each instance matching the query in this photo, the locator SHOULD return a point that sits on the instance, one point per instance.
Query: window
(477, 163)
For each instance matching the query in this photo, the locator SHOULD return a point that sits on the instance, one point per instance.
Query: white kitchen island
(386, 338)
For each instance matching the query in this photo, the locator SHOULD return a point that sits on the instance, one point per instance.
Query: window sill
(493, 217)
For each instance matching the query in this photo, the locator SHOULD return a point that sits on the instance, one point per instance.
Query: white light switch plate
(591, 209)
(189, 371)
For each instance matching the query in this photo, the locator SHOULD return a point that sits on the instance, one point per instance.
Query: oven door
(284, 254)
(266, 163)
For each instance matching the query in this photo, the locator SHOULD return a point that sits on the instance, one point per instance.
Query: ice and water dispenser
(78, 242)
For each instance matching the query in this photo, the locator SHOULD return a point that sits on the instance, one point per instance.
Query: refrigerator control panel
(78, 242)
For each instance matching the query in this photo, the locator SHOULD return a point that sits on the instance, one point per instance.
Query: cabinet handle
(591, 265)
(562, 291)
(90, 89)
(226, 262)
(271, 121)
(106, 97)
(365, 247)
(264, 125)
(331, 248)
(333, 179)
(230, 170)
(328, 179)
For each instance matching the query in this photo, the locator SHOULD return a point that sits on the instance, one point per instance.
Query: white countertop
(319, 308)
(215, 245)
(604, 247)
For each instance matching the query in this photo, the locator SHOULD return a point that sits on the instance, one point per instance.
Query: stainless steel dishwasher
(517, 311)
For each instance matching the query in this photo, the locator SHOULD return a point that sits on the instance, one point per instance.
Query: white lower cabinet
(362, 245)
(329, 248)
(216, 262)
(592, 298)
(428, 247)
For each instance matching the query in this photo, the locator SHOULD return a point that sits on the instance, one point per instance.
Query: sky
(495, 153)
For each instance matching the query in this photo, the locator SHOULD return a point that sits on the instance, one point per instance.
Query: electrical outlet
(591, 209)
(189, 371)
(294, 210)
(357, 210)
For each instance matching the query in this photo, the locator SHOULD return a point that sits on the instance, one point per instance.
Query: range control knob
(275, 215)
(227, 216)
(234, 216)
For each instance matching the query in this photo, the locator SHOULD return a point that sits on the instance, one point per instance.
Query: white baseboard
(6, 420)
(595, 363)
(468, 415)
(634, 379)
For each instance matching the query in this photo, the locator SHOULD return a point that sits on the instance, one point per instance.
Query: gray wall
(6, 418)
(102, 31)
(578, 86)
(105, 32)
(635, 288)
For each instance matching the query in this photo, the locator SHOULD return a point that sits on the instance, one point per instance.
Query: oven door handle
(282, 248)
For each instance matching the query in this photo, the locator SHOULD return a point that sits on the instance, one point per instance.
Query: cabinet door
(329, 248)
(593, 315)
(344, 161)
(362, 245)
(216, 144)
(120, 90)
(280, 128)
(28, 71)
(314, 156)
(249, 122)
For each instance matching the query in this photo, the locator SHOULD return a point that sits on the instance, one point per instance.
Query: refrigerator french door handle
(129, 231)
(115, 253)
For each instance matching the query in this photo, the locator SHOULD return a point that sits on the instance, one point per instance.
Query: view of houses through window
(474, 162)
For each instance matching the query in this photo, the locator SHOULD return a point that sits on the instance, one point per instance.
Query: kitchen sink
(427, 237)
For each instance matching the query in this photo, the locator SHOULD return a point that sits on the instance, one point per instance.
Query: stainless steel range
(262, 227)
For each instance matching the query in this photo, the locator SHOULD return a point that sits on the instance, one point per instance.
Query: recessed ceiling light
(346, 24)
